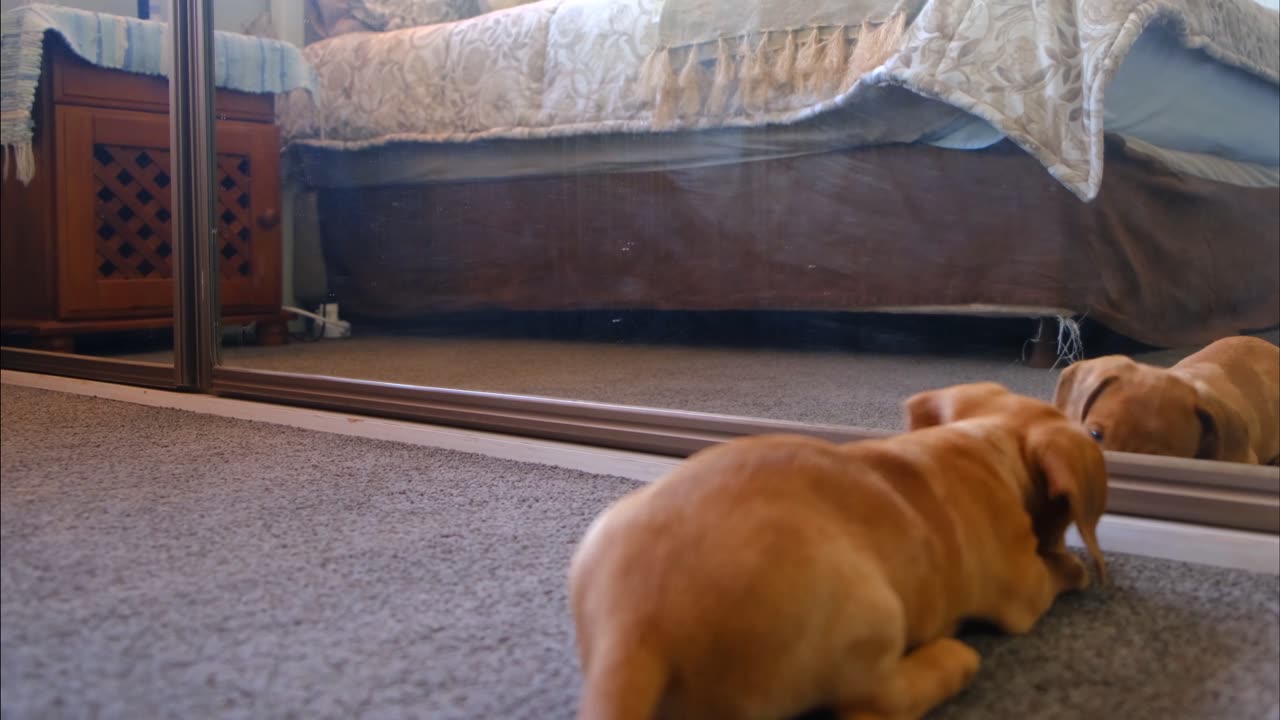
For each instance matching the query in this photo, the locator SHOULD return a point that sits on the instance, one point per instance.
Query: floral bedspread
(1035, 69)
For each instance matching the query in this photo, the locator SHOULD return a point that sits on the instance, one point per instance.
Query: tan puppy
(1222, 403)
(774, 575)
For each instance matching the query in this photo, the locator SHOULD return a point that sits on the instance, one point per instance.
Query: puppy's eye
(1096, 434)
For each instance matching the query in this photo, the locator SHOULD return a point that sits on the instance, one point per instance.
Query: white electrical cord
(342, 327)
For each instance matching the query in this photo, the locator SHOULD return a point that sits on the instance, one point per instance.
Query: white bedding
(1185, 130)
(1174, 98)
(571, 68)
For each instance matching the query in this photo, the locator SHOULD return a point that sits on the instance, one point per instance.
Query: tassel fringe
(807, 63)
(23, 156)
(758, 98)
(690, 88)
(757, 74)
(876, 44)
(786, 65)
(722, 86)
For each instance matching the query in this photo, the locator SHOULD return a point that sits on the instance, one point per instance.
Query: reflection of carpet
(164, 564)
(833, 387)
(811, 385)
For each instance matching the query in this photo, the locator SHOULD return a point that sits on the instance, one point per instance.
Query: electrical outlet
(334, 327)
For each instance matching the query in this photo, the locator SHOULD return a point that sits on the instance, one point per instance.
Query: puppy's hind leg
(922, 680)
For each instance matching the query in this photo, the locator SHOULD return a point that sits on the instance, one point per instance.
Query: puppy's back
(1237, 352)
(744, 559)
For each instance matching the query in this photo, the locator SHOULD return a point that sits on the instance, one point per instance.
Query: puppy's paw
(962, 661)
(925, 678)
(1068, 571)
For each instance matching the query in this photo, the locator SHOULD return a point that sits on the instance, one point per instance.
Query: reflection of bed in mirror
(568, 154)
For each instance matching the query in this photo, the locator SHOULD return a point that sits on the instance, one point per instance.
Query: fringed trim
(722, 84)
(836, 70)
(786, 65)
(877, 44)
(689, 85)
(762, 72)
(24, 161)
(807, 61)
(757, 96)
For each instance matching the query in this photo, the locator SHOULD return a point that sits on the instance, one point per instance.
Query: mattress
(440, 103)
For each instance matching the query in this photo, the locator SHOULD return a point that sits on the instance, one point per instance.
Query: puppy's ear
(938, 407)
(1072, 467)
(1224, 433)
(926, 409)
(1081, 384)
(1210, 438)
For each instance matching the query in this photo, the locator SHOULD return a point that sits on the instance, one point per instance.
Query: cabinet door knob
(269, 219)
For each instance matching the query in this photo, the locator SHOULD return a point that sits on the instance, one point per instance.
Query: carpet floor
(162, 564)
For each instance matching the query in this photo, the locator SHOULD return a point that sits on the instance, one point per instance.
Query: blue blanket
(241, 62)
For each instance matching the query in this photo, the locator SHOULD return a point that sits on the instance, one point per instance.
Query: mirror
(800, 218)
(639, 204)
(87, 247)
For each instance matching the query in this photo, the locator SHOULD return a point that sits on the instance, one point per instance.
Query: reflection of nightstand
(87, 246)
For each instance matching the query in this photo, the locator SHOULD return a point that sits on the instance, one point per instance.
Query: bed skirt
(1163, 258)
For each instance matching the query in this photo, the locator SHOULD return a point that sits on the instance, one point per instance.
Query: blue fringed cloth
(241, 62)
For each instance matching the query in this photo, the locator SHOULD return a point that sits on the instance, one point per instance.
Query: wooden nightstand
(87, 246)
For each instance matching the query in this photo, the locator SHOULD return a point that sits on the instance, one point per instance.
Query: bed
(943, 156)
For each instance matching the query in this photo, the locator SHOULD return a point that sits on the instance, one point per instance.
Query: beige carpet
(158, 564)
(802, 383)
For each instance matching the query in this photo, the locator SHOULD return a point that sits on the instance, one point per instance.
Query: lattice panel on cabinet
(133, 222)
(131, 210)
(234, 210)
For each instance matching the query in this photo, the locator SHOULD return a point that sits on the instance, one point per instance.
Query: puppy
(1222, 403)
(773, 575)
